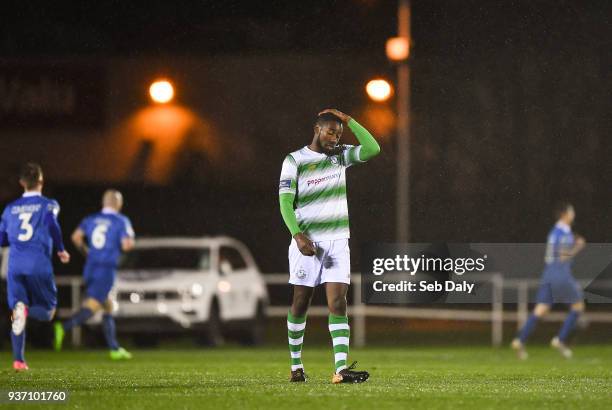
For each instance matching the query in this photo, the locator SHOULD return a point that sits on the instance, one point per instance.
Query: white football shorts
(331, 263)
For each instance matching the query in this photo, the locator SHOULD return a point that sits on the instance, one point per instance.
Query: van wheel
(255, 333)
(211, 334)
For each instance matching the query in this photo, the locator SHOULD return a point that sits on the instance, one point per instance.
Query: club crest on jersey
(334, 160)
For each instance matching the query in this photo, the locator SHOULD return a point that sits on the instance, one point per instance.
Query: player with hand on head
(101, 238)
(30, 228)
(313, 179)
(557, 284)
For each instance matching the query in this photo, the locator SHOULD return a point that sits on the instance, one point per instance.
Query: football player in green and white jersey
(312, 195)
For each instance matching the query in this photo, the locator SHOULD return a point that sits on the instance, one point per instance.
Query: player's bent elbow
(127, 244)
(367, 154)
(77, 238)
(376, 150)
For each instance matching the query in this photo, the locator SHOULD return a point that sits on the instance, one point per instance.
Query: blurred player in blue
(30, 228)
(101, 237)
(557, 283)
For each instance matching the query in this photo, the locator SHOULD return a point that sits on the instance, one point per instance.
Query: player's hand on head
(63, 256)
(343, 117)
(304, 244)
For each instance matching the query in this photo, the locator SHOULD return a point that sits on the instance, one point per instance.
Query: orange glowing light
(379, 90)
(161, 91)
(398, 48)
(379, 119)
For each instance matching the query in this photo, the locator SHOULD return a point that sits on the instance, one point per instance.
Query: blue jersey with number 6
(29, 226)
(104, 231)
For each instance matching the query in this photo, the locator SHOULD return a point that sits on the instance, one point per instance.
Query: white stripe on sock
(339, 356)
(340, 341)
(295, 327)
(296, 355)
(294, 367)
(299, 341)
(339, 326)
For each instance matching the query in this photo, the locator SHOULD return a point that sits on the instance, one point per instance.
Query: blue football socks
(528, 328)
(78, 318)
(568, 325)
(108, 324)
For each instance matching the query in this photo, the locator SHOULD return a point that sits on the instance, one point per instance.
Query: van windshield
(166, 259)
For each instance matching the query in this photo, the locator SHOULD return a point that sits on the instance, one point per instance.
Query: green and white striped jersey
(319, 184)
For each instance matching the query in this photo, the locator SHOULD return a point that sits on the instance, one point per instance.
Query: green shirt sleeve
(286, 193)
(286, 209)
(369, 146)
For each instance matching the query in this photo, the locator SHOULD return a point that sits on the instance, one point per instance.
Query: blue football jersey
(104, 231)
(29, 226)
(560, 239)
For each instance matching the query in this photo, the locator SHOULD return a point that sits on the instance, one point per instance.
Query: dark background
(510, 113)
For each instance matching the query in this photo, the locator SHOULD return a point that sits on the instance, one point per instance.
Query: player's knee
(299, 307)
(541, 309)
(52, 314)
(92, 304)
(108, 306)
(337, 305)
(301, 301)
(578, 307)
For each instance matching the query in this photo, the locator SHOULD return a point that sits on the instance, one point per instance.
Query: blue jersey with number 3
(29, 226)
(104, 231)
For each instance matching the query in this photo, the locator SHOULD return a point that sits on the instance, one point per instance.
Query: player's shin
(108, 324)
(528, 327)
(340, 334)
(18, 342)
(295, 329)
(568, 325)
(18, 331)
(78, 318)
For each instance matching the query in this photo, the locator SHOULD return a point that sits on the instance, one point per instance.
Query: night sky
(462, 28)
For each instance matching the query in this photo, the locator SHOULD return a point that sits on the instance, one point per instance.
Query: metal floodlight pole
(403, 130)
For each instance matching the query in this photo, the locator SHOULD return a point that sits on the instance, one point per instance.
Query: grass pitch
(415, 378)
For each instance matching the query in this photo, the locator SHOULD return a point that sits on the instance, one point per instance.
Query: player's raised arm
(368, 148)
(286, 196)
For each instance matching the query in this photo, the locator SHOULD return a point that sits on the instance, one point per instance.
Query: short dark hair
(327, 117)
(31, 175)
(561, 208)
